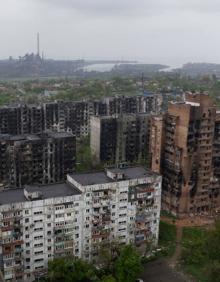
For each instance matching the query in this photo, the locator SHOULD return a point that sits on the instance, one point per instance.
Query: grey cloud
(140, 7)
(166, 31)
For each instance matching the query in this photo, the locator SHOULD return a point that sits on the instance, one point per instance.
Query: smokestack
(38, 44)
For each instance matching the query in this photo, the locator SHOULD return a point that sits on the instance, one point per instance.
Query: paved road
(160, 271)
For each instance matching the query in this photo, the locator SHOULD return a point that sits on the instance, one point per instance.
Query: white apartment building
(40, 223)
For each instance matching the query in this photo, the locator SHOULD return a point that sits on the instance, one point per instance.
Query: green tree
(213, 271)
(128, 265)
(71, 270)
(108, 278)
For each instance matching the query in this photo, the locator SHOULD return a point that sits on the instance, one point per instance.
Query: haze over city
(171, 32)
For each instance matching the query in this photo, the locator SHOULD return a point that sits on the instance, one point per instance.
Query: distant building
(40, 159)
(72, 116)
(121, 138)
(76, 218)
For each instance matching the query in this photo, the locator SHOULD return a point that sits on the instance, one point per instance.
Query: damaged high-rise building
(187, 155)
(120, 138)
(41, 159)
(72, 116)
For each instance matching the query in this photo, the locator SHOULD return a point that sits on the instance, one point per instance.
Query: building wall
(71, 116)
(39, 159)
(34, 232)
(122, 138)
(95, 138)
(156, 142)
(187, 165)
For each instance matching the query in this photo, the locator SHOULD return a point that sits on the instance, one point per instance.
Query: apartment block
(72, 116)
(190, 155)
(43, 158)
(121, 138)
(39, 223)
(156, 142)
(215, 181)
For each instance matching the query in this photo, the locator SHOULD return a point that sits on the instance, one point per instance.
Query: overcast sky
(156, 31)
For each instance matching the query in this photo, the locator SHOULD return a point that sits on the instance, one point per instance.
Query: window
(38, 237)
(38, 245)
(38, 212)
(38, 253)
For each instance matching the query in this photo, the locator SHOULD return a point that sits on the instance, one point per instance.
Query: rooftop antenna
(38, 44)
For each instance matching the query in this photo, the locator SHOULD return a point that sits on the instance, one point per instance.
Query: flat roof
(48, 191)
(93, 178)
(35, 137)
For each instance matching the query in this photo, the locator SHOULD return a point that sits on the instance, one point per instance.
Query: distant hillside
(197, 69)
(134, 69)
(33, 66)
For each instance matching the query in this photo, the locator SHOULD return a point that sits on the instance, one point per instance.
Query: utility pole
(38, 44)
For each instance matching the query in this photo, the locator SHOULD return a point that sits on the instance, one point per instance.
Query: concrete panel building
(76, 218)
(43, 158)
(122, 138)
(190, 156)
(72, 116)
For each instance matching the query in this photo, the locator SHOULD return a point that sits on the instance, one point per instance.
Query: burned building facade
(122, 138)
(40, 159)
(71, 116)
(189, 156)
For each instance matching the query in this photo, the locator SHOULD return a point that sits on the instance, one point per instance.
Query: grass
(167, 214)
(167, 238)
(194, 257)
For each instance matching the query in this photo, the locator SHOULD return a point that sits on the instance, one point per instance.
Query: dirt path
(177, 254)
(160, 271)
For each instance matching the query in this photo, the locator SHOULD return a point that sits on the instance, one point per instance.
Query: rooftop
(48, 191)
(35, 137)
(93, 178)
